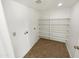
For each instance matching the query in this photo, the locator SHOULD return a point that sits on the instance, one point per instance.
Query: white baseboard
(44, 37)
(68, 50)
(58, 40)
(29, 49)
(53, 39)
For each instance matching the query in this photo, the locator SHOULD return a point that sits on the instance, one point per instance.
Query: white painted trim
(53, 39)
(29, 49)
(58, 40)
(68, 50)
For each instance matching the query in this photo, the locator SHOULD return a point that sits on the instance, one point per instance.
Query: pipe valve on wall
(26, 33)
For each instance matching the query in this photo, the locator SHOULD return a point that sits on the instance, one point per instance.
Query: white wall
(6, 48)
(74, 37)
(21, 19)
(51, 19)
(57, 13)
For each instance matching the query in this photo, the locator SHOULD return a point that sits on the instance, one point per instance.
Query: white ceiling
(47, 4)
